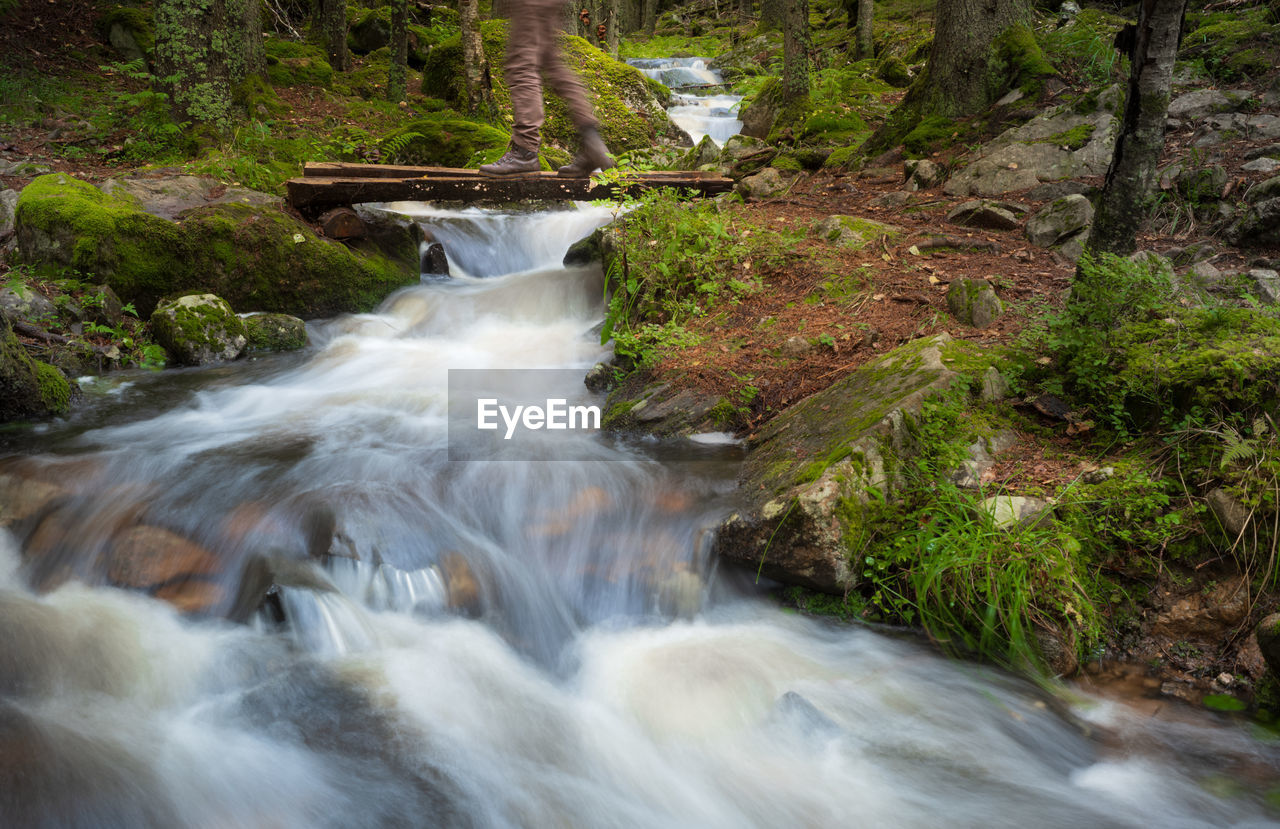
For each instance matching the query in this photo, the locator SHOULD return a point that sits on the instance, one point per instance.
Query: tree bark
(1126, 194)
(865, 46)
(650, 16)
(204, 50)
(397, 86)
(333, 28)
(614, 22)
(964, 32)
(772, 13)
(500, 10)
(795, 51)
(475, 66)
(744, 8)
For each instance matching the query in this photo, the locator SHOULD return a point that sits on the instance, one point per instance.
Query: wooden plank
(313, 195)
(330, 169)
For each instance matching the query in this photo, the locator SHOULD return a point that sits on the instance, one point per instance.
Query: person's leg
(525, 85)
(592, 152)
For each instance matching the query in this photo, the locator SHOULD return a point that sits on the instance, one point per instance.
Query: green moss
(294, 63)
(28, 388)
(844, 158)
(258, 258)
(443, 139)
(787, 163)
(55, 391)
(929, 134)
(133, 20)
(1225, 42)
(1017, 62)
(894, 72)
(275, 332)
(1072, 139)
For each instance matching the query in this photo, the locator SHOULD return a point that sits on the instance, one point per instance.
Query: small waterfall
(696, 113)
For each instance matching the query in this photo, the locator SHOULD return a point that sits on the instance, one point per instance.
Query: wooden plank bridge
(326, 185)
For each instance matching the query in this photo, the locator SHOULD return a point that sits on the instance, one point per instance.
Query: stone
(1266, 284)
(922, 173)
(1098, 475)
(1058, 649)
(982, 214)
(1268, 633)
(1053, 190)
(1201, 184)
(1264, 127)
(852, 231)
(1194, 105)
(1259, 226)
(705, 153)
(26, 303)
(8, 212)
(1016, 511)
(28, 388)
(1206, 614)
(170, 196)
(1205, 274)
(274, 332)
(1207, 139)
(22, 167)
(973, 302)
(601, 378)
(1270, 151)
(892, 200)
(199, 329)
(808, 469)
(981, 459)
(1072, 248)
(1261, 165)
(1263, 190)
(1059, 219)
(995, 388)
(662, 410)
(1022, 157)
(796, 347)
(764, 184)
(22, 497)
(1231, 514)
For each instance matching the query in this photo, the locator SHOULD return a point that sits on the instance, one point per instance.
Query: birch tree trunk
(865, 46)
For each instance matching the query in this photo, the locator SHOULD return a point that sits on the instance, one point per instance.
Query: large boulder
(28, 388)
(257, 257)
(274, 332)
(973, 302)
(170, 196)
(1059, 220)
(1067, 141)
(199, 329)
(812, 470)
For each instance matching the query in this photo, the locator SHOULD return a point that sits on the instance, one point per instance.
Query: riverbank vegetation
(1135, 400)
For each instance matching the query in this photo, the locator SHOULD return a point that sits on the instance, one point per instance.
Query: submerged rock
(199, 329)
(812, 470)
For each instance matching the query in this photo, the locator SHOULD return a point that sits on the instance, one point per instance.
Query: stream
(507, 643)
(698, 104)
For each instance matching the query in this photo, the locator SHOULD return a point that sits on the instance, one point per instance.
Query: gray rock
(1016, 511)
(661, 410)
(199, 329)
(1023, 156)
(274, 332)
(26, 303)
(922, 173)
(601, 377)
(981, 458)
(1207, 139)
(764, 184)
(102, 306)
(995, 388)
(1099, 475)
(1072, 248)
(1268, 633)
(1261, 165)
(1270, 150)
(8, 206)
(1259, 226)
(705, 153)
(1233, 515)
(892, 200)
(168, 196)
(1053, 190)
(973, 302)
(1059, 219)
(1194, 105)
(796, 347)
(982, 214)
(794, 515)
(1201, 184)
(22, 167)
(1265, 127)
(1204, 274)
(1266, 284)
(851, 231)
(1263, 190)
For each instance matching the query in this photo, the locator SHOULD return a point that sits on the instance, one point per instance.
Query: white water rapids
(609, 676)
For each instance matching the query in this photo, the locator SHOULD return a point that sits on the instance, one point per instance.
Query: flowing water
(496, 644)
(697, 107)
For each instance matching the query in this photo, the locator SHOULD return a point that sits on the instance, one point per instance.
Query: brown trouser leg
(533, 51)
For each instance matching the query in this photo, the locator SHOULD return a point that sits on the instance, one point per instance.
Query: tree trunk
(475, 67)
(397, 86)
(500, 10)
(772, 13)
(744, 8)
(333, 28)
(865, 46)
(650, 16)
(964, 34)
(614, 22)
(1127, 191)
(204, 53)
(795, 51)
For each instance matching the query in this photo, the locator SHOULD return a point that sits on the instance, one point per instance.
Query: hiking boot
(592, 155)
(514, 161)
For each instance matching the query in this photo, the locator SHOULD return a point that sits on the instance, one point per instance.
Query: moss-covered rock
(291, 63)
(630, 107)
(28, 388)
(852, 231)
(760, 113)
(811, 470)
(274, 332)
(444, 139)
(257, 257)
(198, 329)
(130, 31)
(894, 72)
